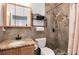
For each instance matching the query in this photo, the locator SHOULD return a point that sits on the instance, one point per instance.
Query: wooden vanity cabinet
(26, 50)
(9, 52)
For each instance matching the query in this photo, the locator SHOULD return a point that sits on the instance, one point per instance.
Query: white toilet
(41, 42)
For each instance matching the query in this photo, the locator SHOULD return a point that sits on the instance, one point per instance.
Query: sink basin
(16, 43)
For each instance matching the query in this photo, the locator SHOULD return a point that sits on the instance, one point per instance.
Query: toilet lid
(47, 51)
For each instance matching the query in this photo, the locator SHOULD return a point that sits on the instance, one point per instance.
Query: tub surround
(57, 25)
(8, 44)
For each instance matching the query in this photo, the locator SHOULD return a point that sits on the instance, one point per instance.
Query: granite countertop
(7, 44)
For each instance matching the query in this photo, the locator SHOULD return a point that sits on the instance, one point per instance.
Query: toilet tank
(41, 42)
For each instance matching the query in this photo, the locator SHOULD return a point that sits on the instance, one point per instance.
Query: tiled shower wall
(58, 25)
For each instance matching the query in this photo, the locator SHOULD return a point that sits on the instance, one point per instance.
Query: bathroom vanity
(20, 47)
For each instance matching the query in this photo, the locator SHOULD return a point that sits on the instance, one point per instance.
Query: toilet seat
(47, 51)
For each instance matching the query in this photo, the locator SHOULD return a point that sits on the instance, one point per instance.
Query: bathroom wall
(1, 15)
(38, 8)
(1, 23)
(11, 33)
(1, 35)
(58, 25)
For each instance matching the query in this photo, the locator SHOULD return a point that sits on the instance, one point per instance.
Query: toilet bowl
(41, 42)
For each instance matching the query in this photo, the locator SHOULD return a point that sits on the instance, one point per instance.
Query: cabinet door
(11, 8)
(10, 12)
(19, 10)
(21, 19)
(10, 52)
(27, 13)
(27, 50)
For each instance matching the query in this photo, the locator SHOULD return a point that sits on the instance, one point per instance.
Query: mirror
(17, 15)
